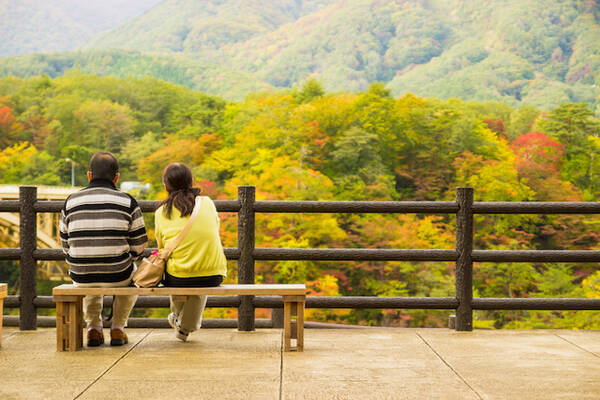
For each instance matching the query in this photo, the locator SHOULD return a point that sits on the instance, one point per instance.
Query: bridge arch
(48, 235)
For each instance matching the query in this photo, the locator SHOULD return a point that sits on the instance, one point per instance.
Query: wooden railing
(246, 253)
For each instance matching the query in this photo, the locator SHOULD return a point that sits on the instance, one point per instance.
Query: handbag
(151, 270)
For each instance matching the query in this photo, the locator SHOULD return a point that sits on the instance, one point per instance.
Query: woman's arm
(214, 209)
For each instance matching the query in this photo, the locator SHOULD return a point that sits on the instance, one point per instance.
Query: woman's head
(178, 181)
(177, 176)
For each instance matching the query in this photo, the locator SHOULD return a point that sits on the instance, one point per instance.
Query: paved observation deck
(369, 363)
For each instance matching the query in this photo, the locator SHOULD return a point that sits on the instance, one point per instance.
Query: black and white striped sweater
(101, 230)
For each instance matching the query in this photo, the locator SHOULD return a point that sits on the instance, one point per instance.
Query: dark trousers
(196, 281)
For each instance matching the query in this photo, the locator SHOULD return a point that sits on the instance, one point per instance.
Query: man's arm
(64, 232)
(138, 240)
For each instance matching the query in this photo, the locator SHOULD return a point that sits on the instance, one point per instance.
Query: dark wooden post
(277, 318)
(464, 264)
(246, 195)
(28, 267)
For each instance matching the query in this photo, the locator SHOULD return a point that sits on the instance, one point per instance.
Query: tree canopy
(308, 144)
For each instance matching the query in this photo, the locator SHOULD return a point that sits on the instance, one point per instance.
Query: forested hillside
(537, 52)
(34, 26)
(203, 27)
(306, 144)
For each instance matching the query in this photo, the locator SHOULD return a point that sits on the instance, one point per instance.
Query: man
(102, 231)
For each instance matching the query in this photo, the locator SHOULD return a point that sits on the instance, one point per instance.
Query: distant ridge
(202, 27)
(539, 52)
(35, 26)
(199, 75)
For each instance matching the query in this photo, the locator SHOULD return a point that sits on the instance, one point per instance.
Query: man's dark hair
(104, 165)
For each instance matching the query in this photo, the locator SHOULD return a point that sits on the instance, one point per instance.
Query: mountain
(539, 52)
(32, 26)
(202, 27)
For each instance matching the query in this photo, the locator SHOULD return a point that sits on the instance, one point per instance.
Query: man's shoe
(94, 338)
(118, 337)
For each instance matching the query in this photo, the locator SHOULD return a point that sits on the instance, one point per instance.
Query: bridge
(29, 206)
(363, 362)
(337, 364)
(47, 228)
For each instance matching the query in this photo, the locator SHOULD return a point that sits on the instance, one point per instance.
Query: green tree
(103, 125)
(311, 89)
(572, 125)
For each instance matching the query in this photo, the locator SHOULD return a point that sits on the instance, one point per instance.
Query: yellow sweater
(200, 253)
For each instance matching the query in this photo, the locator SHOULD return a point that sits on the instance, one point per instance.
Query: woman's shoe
(172, 318)
(181, 335)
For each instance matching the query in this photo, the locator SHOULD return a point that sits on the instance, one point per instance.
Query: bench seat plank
(248, 289)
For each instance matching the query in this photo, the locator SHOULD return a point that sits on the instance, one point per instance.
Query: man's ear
(89, 175)
(117, 176)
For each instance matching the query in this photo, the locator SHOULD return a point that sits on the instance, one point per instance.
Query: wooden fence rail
(246, 254)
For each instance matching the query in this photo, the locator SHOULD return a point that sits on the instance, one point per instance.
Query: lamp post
(72, 171)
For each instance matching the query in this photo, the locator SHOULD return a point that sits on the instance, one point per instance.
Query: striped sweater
(101, 230)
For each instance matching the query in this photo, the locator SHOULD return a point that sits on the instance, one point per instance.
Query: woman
(198, 261)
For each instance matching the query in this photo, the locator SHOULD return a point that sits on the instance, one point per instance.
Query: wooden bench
(69, 309)
(3, 294)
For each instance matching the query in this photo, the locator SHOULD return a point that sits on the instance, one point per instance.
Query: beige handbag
(151, 270)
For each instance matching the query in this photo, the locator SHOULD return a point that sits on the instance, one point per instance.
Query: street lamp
(72, 171)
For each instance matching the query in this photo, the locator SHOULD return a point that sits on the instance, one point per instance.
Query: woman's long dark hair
(177, 178)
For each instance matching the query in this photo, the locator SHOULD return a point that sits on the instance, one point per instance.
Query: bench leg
(293, 329)
(69, 323)
(300, 326)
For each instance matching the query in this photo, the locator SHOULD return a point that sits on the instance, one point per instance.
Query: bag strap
(168, 250)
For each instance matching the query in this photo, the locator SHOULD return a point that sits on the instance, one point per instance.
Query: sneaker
(118, 337)
(94, 338)
(172, 318)
(180, 333)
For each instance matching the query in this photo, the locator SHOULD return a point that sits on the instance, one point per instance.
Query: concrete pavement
(336, 364)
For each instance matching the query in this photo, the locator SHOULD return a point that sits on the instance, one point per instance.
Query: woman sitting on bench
(198, 260)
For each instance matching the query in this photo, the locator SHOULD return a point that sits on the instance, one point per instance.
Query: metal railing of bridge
(246, 254)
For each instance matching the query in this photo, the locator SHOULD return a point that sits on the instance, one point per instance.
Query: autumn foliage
(305, 144)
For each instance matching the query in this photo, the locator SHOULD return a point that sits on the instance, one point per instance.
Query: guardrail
(246, 253)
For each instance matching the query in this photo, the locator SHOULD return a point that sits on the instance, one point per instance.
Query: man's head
(104, 165)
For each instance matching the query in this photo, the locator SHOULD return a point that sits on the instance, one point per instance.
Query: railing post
(246, 195)
(28, 267)
(464, 264)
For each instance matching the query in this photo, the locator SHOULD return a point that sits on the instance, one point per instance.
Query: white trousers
(92, 305)
(189, 313)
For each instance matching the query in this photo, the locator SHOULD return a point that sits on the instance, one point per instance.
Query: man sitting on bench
(102, 231)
